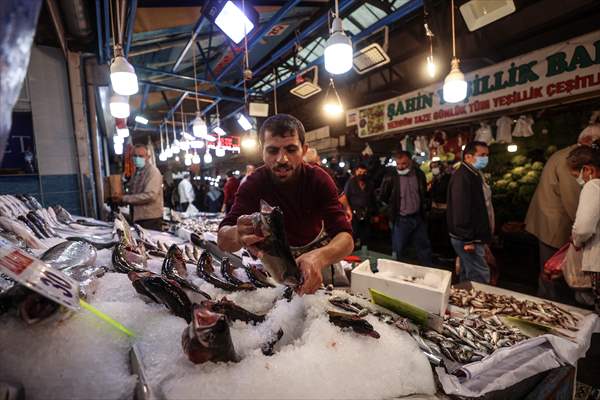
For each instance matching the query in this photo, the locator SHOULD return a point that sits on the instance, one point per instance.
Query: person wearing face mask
(584, 163)
(403, 192)
(469, 213)
(314, 220)
(438, 230)
(357, 201)
(552, 210)
(145, 191)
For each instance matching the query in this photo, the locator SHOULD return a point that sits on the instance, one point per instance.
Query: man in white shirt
(186, 192)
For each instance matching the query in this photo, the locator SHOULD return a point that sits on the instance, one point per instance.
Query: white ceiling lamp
(479, 13)
(207, 157)
(196, 159)
(231, 19)
(243, 122)
(333, 105)
(372, 56)
(162, 156)
(118, 139)
(187, 161)
(184, 145)
(338, 48)
(220, 152)
(430, 63)
(123, 132)
(455, 85)
(168, 151)
(141, 119)
(122, 74)
(305, 88)
(119, 106)
(175, 145)
(199, 127)
(118, 147)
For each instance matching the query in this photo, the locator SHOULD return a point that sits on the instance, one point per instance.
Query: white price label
(38, 276)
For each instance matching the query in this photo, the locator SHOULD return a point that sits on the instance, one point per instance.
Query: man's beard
(284, 167)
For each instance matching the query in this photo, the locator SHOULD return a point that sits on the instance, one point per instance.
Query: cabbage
(551, 150)
(518, 171)
(512, 185)
(518, 160)
(508, 176)
(425, 167)
(501, 184)
(537, 166)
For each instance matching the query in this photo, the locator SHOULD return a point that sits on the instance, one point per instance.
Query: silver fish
(21, 230)
(70, 254)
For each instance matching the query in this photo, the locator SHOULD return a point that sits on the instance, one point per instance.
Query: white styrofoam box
(426, 288)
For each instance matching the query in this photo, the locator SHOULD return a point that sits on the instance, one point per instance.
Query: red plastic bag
(554, 266)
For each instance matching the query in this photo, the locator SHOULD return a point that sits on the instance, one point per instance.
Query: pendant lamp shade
(119, 106)
(122, 77)
(455, 86)
(338, 50)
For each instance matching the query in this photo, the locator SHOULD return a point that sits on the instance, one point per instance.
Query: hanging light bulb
(184, 145)
(196, 159)
(455, 86)
(207, 157)
(199, 127)
(175, 147)
(122, 74)
(119, 106)
(123, 132)
(177, 158)
(338, 48)
(118, 139)
(333, 105)
(220, 152)
(168, 151)
(197, 144)
(187, 162)
(118, 147)
(512, 148)
(430, 67)
(162, 156)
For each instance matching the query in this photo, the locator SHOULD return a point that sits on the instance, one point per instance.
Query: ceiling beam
(129, 25)
(190, 43)
(189, 91)
(184, 77)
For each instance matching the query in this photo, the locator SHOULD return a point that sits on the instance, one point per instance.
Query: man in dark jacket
(469, 213)
(404, 192)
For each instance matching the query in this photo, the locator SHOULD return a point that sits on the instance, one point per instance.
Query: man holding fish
(313, 219)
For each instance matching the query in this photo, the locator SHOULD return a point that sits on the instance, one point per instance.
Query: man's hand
(310, 265)
(348, 213)
(117, 198)
(246, 235)
(469, 248)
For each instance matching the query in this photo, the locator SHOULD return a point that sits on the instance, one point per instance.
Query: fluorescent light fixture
(244, 123)
(118, 147)
(118, 139)
(197, 144)
(338, 50)
(123, 132)
(258, 109)
(371, 57)
(199, 127)
(207, 157)
(233, 22)
(122, 75)
(141, 120)
(219, 131)
(455, 86)
(119, 106)
(512, 148)
(479, 13)
(306, 88)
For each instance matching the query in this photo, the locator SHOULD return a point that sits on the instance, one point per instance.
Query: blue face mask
(481, 162)
(139, 162)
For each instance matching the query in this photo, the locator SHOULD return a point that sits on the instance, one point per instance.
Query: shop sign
(566, 69)
(231, 143)
(38, 276)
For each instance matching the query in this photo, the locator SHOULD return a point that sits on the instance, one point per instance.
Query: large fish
(30, 306)
(163, 291)
(207, 338)
(276, 255)
(205, 270)
(70, 254)
(22, 231)
(174, 268)
(234, 312)
(126, 259)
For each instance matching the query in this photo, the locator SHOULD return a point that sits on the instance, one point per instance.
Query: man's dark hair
(471, 148)
(402, 153)
(584, 155)
(282, 125)
(230, 173)
(361, 166)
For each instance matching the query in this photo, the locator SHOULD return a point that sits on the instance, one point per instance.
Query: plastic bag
(553, 268)
(574, 275)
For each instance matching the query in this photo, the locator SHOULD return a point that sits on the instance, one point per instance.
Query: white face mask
(435, 171)
(403, 171)
(580, 179)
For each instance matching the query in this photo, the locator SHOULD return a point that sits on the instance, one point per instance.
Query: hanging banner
(566, 69)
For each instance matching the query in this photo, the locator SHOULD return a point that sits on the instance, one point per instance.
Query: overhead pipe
(129, 26)
(184, 77)
(189, 43)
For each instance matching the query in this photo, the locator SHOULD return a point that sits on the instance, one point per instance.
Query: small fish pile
(470, 339)
(206, 271)
(487, 304)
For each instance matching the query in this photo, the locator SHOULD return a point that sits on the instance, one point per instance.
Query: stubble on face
(283, 156)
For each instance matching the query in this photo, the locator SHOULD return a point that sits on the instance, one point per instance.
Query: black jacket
(467, 214)
(390, 185)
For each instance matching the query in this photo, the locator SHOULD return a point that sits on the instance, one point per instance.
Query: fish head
(175, 253)
(207, 338)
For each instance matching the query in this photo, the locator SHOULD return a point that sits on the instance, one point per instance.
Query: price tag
(38, 276)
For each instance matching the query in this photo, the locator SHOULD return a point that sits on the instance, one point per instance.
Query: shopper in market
(250, 168)
(403, 192)
(470, 214)
(145, 192)
(306, 195)
(186, 192)
(552, 210)
(438, 229)
(358, 201)
(229, 190)
(584, 163)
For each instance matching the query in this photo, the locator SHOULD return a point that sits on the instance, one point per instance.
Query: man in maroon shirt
(231, 186)
(306, 195)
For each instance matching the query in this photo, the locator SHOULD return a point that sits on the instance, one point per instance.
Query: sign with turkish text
(38, 276)
(566, 69)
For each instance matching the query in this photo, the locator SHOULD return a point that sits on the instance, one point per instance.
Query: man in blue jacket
(470, 214)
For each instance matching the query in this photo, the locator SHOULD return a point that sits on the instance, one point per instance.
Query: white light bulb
(455, 86)
(338, 50)
(219, 152)
(168, 152)
(199, 127)
(430, 66)
(118, 147)
(188, 162)
(175, 147)
(333, 109)
(162, 156)
(197, 144)
(512, 148)
(184, 145)
(118, 139)
(342, 164)
(123, 132)
(140, 119)
(119, 106)
(207, 157)
(122, 77)
(249, 142)
(324, 161)
(196, 159)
